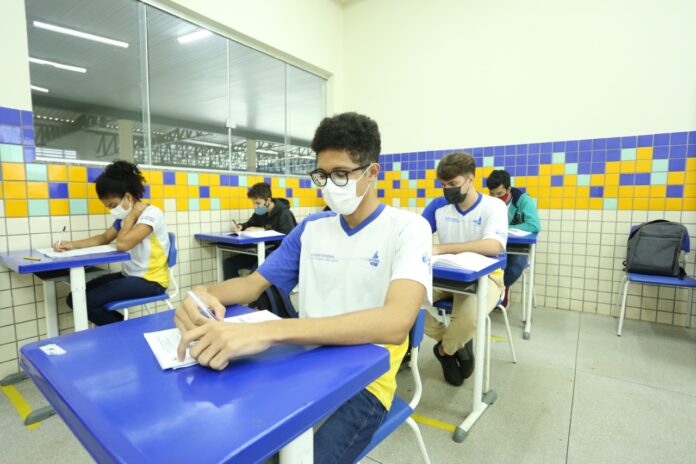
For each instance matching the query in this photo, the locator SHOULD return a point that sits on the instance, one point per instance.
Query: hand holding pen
(62, 245)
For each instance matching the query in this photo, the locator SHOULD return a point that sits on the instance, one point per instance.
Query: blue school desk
(226, 243)
(525, 246)
(111, 392)
(463, 281)
(49, 268)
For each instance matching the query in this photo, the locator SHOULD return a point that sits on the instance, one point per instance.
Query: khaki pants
(462, 325)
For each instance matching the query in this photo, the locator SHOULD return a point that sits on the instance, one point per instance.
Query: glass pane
(85, 89)
(306, 106)
(189, 105)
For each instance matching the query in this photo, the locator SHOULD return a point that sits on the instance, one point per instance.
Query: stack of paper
(518, 233)
(77, 252)
(165, 342)
(467, 261)
(257, 233)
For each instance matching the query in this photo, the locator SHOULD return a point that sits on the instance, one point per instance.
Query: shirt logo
(477, 221)
(324, 257)
(374, 261)
(451, 219)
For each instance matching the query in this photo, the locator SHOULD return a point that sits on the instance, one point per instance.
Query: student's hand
(218, 342)
(187, 315)
(61, 245)
(437, 250)
(138, 209)
(236, 228)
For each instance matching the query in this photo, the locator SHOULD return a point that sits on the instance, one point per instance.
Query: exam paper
(518, 233)
(77, 252)
(467, 261)
(165, 342)
(257, 233)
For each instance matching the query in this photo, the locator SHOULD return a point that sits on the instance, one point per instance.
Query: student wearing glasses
(464, 220)
(363, 270)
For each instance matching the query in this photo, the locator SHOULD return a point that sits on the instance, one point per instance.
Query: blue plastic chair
(124, 305)
(649, 279)
(401, 411)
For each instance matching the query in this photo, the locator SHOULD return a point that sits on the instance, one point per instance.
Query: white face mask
(344, 200)
(120, 212)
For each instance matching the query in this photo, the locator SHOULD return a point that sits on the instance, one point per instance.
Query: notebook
(256, 233)
(49, 252)
(467, 261)
(165, 342)
(518, 233)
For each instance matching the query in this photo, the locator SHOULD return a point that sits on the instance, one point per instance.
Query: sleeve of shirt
(150, 217)
(117, 225)
(496, 222)
(286, 222)
(414, 249)
(282, 267)
(429, 214)
(529, 213)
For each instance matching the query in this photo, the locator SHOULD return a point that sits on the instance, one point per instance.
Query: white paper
(467, 261)
(257, 233)
(518, 233)
(77, 252)
(165, 342)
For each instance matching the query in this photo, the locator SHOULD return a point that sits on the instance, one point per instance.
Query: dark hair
(498, 178)
(260, 190)
(455, 164)
(353, 132)
(119, 178)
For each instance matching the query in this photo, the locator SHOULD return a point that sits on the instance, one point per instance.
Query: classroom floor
(578, 394)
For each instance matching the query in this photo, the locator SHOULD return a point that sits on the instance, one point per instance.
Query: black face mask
(454, 195)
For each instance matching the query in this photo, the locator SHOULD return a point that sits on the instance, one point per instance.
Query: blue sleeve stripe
(429, 211)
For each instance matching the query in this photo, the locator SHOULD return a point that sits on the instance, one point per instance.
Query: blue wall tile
(58, 190)
(169, 178)
(9, 117)
(204, 191)
(675, 191)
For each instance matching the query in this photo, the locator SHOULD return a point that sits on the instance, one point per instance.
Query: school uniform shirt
(486, 218)
(149, 257)
(341, 270)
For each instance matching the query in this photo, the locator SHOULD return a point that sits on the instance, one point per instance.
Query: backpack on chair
(654, 247)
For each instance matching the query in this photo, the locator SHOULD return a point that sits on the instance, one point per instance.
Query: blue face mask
(261, 210)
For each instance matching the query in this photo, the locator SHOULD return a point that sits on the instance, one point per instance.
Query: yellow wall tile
(676, 178)
(569, 191)
(532, 181)
(544, 203)
(690, 177)
(170, 191)
(520, 181)
(611, 179)
(92, 191)
(432, 193)
(13, 171)
(625, 191)
(57, 173)
(544, 192)
(556, 203)
(37, 189)
(690, 191)
(612, 167)
(278, 192)
(657, 204)
(392, 175)
(570, 180)
(625, 203)
(641, 191)
(215, 191)
(15, 189)
(274, 181)
(596, 203)
(545, 170)
(77, 174)
(597, 179)
(544, 181)
(673, 204)
(158, 202)
(691, 164)
(558, 169)
(205, 204)
(203, 179)
(611, 191)
(533, 192)
(225, 203)
(627, 166)
(689, 204)
(214, 179)
(556, 192)
(644, 165)
(640, 203)
(429, 174)
(484, 172)
(658, 191)
(644, 153)
(16, 208)
(96, 207)
(236, 203)
(182, 204)
(181, 178)
(193, 191)
(156, 178)
(421, 183)
(582, 203)
(292, 182)
(583, 192)
(156, 191)
(240, 192)
(59, 207)
(181, 192)
(568, 203)
(77, 190)
(420, 202)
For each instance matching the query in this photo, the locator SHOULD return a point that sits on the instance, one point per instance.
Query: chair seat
(661, 280)
(397, 415)
(123, 304)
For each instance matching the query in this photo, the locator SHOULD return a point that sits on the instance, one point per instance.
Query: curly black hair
(119, 178)
(261, 190)
(498, 178)
(353, 132)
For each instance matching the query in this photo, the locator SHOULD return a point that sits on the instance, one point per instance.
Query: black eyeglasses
(338, 176)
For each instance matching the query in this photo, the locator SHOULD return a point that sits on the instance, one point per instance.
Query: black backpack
(276, 302)
(654, 247)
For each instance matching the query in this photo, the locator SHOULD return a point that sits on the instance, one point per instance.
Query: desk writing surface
(462, 275)
(15, 261)
(530, 239)
(235, 239)
(111, 392)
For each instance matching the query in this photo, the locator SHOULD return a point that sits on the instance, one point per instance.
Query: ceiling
(189, 84)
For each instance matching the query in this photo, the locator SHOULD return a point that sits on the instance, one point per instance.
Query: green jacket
(522, 212)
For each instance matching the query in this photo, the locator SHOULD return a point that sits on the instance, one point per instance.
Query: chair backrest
(277, 302)
(417, 330)
(171, 259)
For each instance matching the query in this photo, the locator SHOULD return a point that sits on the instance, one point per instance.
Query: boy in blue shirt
(522, 215)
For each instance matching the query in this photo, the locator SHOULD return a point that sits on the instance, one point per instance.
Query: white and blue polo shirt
(341, 270)
(486, 218)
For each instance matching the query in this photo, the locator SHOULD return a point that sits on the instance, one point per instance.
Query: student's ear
(373, 171)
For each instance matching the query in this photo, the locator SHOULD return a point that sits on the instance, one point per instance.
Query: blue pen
(203, 308)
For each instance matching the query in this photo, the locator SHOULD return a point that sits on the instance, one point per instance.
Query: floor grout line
(572, 399)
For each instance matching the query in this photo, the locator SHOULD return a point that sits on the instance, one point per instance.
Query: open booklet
(467, 261)
(518, 232)
(256, 233)
(49, 252)
(165, 342)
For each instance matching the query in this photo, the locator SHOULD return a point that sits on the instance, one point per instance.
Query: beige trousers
(462, 325)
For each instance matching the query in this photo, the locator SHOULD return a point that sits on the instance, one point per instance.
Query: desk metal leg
(261, 252)
(530, 294)
(79, 299)
(51, 308)
(220, 260)
(481, 401)
(300, 450)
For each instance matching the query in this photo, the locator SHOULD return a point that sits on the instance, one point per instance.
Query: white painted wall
(452, 73)
(308, 30)
(14, 78)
